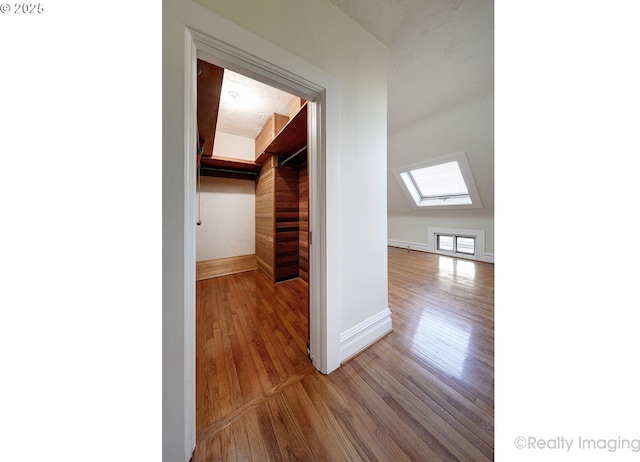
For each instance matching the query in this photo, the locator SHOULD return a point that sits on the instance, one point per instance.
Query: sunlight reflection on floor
(442, 343)
(457, 267)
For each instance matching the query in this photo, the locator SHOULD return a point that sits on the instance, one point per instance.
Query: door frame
(289, 73)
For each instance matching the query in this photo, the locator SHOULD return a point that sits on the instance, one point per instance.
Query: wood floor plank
(316, 389)
(239, 412)
(248, 374)
(266, 434)
(399, 438)
(425, 416)
(291, 440)
(423, 392)
(312, 425)
(417, 381)
(247, 346)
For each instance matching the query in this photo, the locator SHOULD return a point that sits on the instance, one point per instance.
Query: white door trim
(294, 75)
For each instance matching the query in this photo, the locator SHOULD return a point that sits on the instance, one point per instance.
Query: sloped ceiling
(246, 105)
(440, 57)
(430, 66)
(440, 73)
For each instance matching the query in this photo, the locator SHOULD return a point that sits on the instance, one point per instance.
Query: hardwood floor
(251, 336)
(423, 392)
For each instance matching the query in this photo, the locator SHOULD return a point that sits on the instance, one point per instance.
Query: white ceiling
(440, 53)
(246, 105)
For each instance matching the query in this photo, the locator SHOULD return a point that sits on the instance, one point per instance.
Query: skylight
(442, 180)
(445, 182)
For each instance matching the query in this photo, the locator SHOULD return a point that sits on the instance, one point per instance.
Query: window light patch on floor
(445, 182)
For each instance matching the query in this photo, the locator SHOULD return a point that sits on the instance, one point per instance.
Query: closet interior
(279, 170)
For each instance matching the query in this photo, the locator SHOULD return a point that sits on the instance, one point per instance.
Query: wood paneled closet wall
(282, 219)
(282, 196)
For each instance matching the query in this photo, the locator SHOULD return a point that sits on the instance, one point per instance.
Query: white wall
(467, 127)
(319, 33)
(227, 206)
(228, 145)
(456, 114)
(227, 214)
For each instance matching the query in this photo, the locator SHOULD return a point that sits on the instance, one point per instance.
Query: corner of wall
(363, 335)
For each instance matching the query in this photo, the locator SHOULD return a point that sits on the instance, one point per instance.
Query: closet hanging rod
(293, 155)
(228, 170)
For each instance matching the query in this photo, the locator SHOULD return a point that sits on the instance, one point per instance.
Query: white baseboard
(361, 336)
(486, 256)
(408, 245)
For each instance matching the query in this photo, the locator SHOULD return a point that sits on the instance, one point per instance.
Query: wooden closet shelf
(230, 162)
(290, 139)
(282, 196)
(229, 167)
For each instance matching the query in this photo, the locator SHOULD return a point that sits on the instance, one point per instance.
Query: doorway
(239, 51)
(252, 310)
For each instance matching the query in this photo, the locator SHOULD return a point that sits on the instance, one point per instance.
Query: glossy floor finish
(251, 336)
(423, 392)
